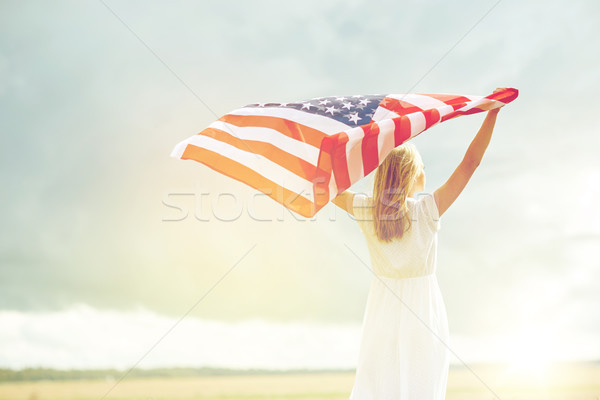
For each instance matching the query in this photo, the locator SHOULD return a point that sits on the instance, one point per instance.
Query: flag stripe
(432, 117)
(291, 129)
(326, 125)
(400, 107)
(448, 98)
(454, 113)
(385, 140)
(339, 162)
(354, 154)
(417, 123)
(370, 149)
(402, 131)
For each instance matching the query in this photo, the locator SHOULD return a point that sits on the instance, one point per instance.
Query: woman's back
(403, 353)
(415, 253)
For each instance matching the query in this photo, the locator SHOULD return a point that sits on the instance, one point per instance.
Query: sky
(106, 241)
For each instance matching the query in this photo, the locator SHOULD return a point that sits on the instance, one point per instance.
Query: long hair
(395, 179)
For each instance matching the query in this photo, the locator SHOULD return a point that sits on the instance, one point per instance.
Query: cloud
(81, 337)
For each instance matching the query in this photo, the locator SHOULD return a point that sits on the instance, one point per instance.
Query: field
(573, 382)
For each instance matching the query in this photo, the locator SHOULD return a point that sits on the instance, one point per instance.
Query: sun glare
(530, 356)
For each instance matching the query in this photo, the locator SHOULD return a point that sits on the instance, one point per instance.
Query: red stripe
(369, 147)
(505, 96)
(432, 117)
(449, 99)
(401, 130)
(324, 168)
(454, 113)
(398, 106)
(339, 161)
(287, 127)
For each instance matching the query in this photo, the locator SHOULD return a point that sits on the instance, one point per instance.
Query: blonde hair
(395, 179)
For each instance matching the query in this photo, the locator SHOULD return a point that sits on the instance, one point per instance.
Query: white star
(324, 102)
(340, 98)
(332, 110)
(306, 105)
(354, 117)
(357, 95)
(348, 105)
(261, 104)
(283, 105)
(364, 102)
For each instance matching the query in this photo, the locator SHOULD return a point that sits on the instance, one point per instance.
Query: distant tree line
(39, 374)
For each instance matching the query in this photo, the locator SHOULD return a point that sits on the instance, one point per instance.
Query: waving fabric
(305, 153)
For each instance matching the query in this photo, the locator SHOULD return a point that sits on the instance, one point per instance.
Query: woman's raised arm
(446, 194)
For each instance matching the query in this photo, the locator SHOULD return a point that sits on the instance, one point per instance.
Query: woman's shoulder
(424, 204)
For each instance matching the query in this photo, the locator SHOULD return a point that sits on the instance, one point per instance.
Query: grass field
(573, 382)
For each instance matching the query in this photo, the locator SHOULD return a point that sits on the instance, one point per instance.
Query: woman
(404, 352)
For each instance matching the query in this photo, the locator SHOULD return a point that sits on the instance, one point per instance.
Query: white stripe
(292, 146)
(419, 100)
(445, 110)
(179, 149)
(480, 102)
(417, 123)
(354, 154)
(326, 125)
(258, 163)
(471, 97)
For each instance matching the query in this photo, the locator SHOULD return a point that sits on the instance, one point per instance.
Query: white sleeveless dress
(403, 351)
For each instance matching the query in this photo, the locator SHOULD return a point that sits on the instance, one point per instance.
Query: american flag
(303, 154)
